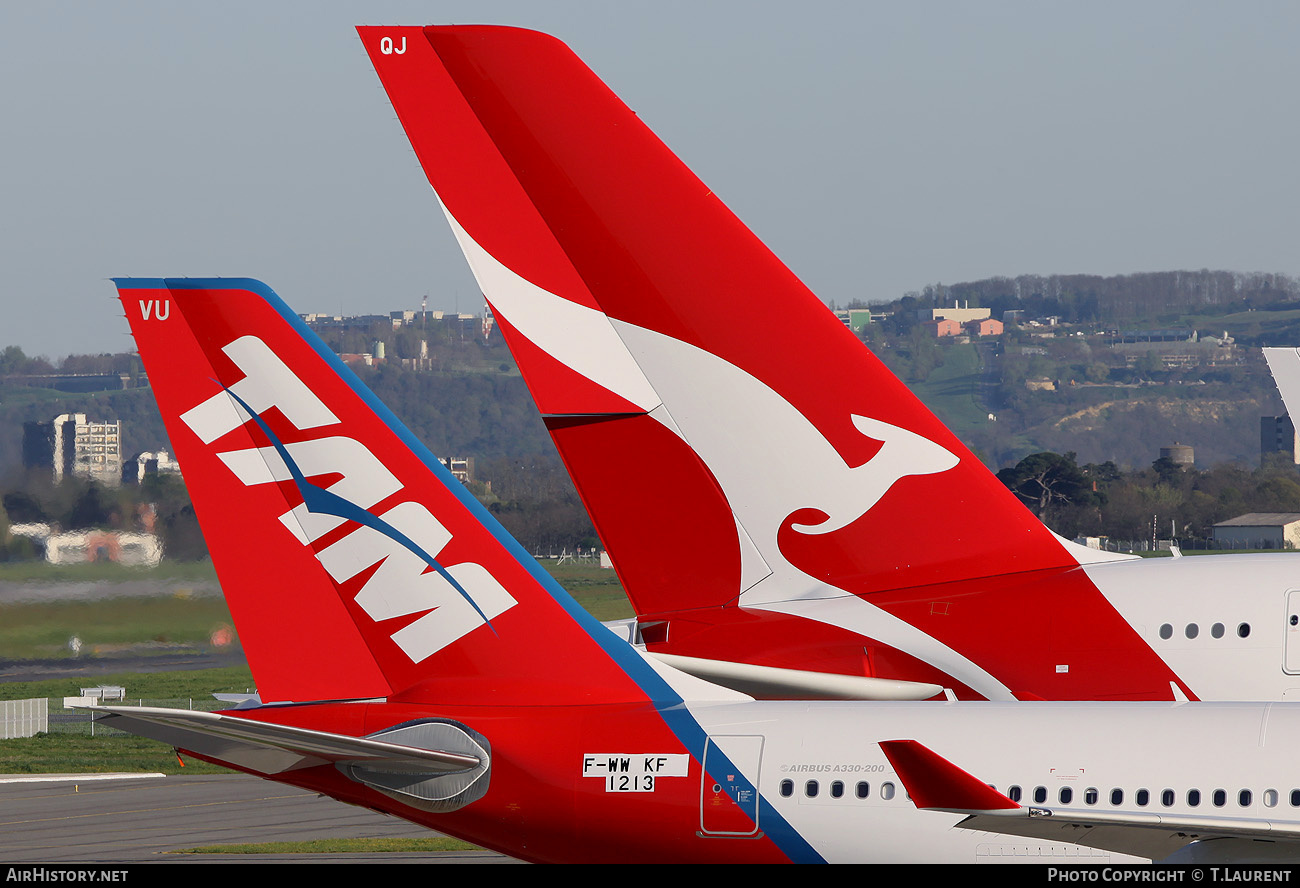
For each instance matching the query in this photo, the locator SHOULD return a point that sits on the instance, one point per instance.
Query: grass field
(140, 626)
(952, 390)
(162, 624)
(120, 625)
(183, 621)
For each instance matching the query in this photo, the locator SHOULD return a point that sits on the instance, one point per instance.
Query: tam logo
(405, 541)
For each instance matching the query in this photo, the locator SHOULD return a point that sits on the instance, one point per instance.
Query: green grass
(107, 626)
(597, 589)
(17, 395)
(1240, 321)
(107, 752)
(142, 625)
(186, 622)
(952, 390)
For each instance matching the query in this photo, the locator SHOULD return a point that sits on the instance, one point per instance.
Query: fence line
(69, 720)
(1189, 545)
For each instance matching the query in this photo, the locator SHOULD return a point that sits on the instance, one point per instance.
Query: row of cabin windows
(861, 790)
(1091, 795)
(1191, 630)
(1142, 798)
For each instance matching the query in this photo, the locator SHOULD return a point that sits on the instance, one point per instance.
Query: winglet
(935, 783)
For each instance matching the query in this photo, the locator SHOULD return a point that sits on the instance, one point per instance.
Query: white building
(1261, 530)
(72, 445)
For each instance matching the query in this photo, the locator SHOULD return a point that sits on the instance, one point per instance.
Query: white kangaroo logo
(745, 432)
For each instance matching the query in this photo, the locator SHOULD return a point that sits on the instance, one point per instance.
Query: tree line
(1164, 499)
(1093, 299)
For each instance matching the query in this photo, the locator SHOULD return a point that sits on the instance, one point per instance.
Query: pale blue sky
(877, 148)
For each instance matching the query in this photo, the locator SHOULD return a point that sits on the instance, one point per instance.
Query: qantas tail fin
(697, 390)
(355, 566)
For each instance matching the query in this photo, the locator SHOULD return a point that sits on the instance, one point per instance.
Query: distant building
(71, 445)
(1181, 455)
(354, 322)
(960, 315)
(942, 327)
(1261, 530)
(145, 463)
(983, 327)
(462, 467)
(855, 318)
(1131, 337)
(82, 546)
(1277, 435)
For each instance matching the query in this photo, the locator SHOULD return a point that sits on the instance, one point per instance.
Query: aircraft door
(728, 800)
(1291, 647)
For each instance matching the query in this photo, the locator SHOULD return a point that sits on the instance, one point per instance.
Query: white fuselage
(1221, 622)
(1164, 750)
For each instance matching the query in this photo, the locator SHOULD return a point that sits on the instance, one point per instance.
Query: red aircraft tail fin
(696, 389)
(352, 561)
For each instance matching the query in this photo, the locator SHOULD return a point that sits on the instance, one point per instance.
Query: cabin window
(1295, 798)
(810, 789)
(864, 789)
(1040, 794)
(1217, 630)
(887, 790)
(1192, 630)
(1243, 630)
(1243, 798)
(787, 788)
(1142, 798)
(1270, 798)
(1193, 797)
(1065, 795)
(1167, 631)
(837, 789)
(1220, 798)
(1013, 793)
(1090, 795)
(1117, 796)
(1167, 798)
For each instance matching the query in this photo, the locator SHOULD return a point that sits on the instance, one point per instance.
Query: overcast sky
(876, 148)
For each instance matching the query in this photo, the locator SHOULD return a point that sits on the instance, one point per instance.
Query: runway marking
(73, 778)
